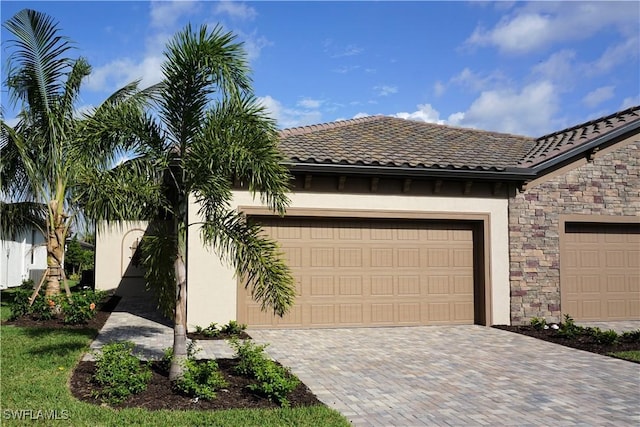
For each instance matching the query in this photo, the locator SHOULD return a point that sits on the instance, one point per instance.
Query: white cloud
(530, 111)
(253, 43)
(425, 113)
(385, 90)
(477, 82)
(439, 88)
(361, 115)
(289, 117)
(117, 73)
(167, 13)
(345, 69)
(559, 67)
(236, 10)
(631, 101)
(598, 96)
(616, 55)
(537, 25)
(310, 103)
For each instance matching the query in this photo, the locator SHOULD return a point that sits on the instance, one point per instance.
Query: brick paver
(433, 375)
(457, 375)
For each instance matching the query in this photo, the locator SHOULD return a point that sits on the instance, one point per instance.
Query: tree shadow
(58, 350)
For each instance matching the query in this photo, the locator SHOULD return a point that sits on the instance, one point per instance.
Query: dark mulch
(221, 336)
(160, 394)
(583, 341)
(102, 314)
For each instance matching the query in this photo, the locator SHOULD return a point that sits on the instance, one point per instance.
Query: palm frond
(16, 218)
(157, 250)
(256, 258)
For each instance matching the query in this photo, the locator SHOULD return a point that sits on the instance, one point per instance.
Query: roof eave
(508, 174)
(581, 149)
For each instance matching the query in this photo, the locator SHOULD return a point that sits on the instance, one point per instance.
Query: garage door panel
(372, 273)
(600, 274)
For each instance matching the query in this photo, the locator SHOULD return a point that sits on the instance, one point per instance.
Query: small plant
(538, 323)
(46, 307)
(167, 355)
(273, 380)
(19, 306)
(201, 379)
(606, 337)
(233, 328)
(631, 336)
(210, 331)
(81, 307)
(119, 372)
(568, 328)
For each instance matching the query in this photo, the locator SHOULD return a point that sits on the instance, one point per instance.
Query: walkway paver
(436, 375)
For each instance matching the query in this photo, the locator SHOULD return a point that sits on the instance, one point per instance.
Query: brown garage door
(372, 273)
(600, 272)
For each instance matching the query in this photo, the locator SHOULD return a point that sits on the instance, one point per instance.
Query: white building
(22, 257)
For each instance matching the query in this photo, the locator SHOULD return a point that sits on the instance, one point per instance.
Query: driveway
(457, 375)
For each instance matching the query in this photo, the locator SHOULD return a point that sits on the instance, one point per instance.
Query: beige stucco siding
(113, 269)
(213, 287)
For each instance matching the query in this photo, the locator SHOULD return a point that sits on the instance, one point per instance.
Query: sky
(527, 68)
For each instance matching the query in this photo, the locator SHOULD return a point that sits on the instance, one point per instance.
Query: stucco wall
(608, 185)
(113, 267)
(213, 287)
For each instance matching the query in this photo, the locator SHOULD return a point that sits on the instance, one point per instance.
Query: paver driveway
(457, 375)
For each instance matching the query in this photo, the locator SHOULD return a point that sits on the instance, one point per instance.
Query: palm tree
(45, 156)
(209, 131)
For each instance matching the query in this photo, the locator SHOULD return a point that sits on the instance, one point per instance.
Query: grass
(632, 355)
(35, 367)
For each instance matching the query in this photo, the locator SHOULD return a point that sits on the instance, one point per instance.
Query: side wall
(608, 185)
(213, 286)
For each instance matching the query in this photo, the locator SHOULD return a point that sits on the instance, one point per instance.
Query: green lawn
(36, 364)
(632, 355)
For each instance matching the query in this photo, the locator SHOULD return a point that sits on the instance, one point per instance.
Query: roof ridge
(300, 130)
(591, 122)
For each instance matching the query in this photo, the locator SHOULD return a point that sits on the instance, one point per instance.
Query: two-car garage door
(370, 272)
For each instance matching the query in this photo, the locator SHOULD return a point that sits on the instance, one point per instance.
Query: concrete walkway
(437, 376)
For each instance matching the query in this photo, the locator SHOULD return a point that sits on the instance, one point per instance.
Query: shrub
(82, 307)
(568, 328)
(273, 380)
(233, 328)
(606, 337)
(538, 323)
(119, 372)
(210, 331)
(45, 308)
(167, 355)
(201, 379)
(19, 305)
(631, 336)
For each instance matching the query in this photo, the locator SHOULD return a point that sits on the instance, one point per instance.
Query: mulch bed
(102, 314)
(221, 336)
(160, 394)
(583, 341)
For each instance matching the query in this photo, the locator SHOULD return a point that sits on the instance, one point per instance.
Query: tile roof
(394, 142)
(557, 143)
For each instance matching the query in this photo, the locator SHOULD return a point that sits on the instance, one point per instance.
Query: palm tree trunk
(55, 249)
(180, 322)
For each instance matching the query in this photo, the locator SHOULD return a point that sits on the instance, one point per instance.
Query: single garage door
(600, 272)
(363, 272)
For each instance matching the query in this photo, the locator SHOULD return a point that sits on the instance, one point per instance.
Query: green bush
(273, 380)
(19, 305)
(233, 328)
(201, 379)
(210, 331)
(631, 336)
(538, 323)
(606, 337)
(82, 307)
(568, 328)
(119, 372)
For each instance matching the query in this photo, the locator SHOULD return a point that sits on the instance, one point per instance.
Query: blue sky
(517, 67)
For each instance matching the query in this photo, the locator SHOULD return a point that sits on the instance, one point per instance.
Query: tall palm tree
(45, 156)
(209, 131)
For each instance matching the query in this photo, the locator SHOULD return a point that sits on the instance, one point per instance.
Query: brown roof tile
(394, 142)
(557, 143)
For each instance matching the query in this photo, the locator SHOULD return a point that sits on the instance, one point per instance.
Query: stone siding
(609, 185)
